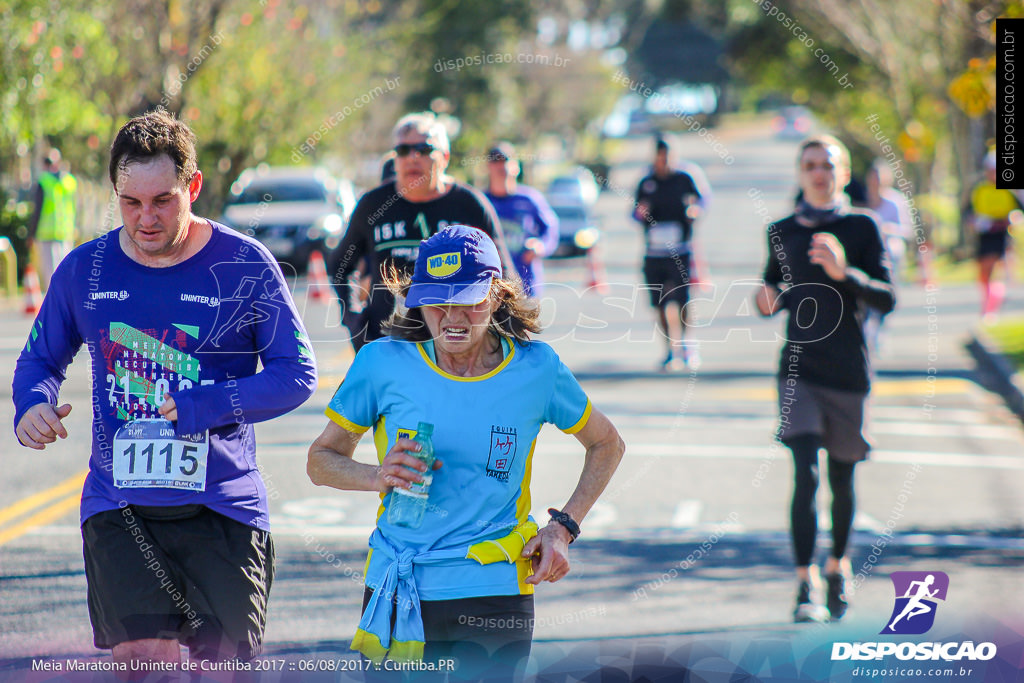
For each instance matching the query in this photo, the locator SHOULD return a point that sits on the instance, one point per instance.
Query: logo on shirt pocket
(503, 452)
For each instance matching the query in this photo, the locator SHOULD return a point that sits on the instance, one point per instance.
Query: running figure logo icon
(916, 596)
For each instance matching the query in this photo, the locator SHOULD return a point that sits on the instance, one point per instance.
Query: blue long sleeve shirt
(197, 330)
(526, 214)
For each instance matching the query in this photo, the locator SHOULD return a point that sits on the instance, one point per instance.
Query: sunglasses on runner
(424, 149)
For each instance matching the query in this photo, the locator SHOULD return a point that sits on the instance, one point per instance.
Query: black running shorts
(993, 243)
(668, 279)
(184, 573)
(476, 633)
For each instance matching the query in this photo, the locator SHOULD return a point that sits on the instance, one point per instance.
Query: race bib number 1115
(148, 454)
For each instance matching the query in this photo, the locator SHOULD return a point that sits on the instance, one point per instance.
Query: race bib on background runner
(148, 454)
(666, 238)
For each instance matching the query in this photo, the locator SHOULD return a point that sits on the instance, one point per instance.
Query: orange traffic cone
(596, 278)
(33, 293)
(317, 277)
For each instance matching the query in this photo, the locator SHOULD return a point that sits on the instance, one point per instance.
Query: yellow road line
(329, 381)
(921, 387)
(41, 518)
(340, 360)
(62, 489)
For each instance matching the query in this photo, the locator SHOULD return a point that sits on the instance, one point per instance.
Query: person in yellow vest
(52, 227)
(990, 217)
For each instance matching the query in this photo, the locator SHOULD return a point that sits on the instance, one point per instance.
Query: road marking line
(727, 530)
(687, 513)
(739, 535)
(876, 424)
(75, 483)
(775, 451)
(41, 518)
(891, 387)
(366, 453)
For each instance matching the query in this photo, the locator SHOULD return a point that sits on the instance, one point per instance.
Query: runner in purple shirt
(527, 220)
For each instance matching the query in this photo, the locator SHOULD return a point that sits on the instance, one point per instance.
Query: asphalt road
(685, 561)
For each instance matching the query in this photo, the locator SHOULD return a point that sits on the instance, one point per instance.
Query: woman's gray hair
(424, 123)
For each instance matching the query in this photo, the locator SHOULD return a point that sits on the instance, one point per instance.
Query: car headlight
(586, 238)
(325, 227)
(331, 223)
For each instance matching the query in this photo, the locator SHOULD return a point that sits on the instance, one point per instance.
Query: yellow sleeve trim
(344, 423)
(582, 421)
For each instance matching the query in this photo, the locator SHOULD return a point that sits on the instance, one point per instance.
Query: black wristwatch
(566, 520)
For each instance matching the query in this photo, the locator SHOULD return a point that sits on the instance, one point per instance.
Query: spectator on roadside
(51, 229)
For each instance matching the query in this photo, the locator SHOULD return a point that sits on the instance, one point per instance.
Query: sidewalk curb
(998, 370)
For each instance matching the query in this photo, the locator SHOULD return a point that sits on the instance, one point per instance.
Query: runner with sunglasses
(390, 221)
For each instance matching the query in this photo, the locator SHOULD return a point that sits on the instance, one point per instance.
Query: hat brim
(448, 293)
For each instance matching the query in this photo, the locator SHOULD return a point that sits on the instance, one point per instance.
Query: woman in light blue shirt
(461, 359)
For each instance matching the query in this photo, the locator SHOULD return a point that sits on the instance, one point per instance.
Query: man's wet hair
(150, 135)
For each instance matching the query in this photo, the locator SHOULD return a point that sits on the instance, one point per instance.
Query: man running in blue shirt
(527, 220)
(177, 312)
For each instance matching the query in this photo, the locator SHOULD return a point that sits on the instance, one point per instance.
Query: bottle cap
(425, 429)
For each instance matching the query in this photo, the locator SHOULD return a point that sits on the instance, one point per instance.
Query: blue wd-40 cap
(455, 266)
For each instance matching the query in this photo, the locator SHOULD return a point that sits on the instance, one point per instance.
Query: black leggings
(803, 514)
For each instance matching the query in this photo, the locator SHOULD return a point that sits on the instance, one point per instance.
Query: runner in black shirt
(826, 266)
(390, 221)
(668, 201)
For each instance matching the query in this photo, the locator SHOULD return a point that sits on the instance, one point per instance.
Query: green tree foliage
(293, 84)
(53, 54)
(275, 81)
(899, 59)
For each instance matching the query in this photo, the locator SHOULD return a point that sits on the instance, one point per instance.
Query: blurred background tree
(259, 80)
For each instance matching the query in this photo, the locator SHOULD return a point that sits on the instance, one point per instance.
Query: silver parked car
(576, 188)
(577, 230)
(293, 211)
